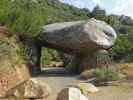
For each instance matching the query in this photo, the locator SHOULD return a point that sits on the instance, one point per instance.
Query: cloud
(124, 7)
(97, 1)
(112, 6)
(90, 4)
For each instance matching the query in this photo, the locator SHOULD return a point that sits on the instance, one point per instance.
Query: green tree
(123, 48)
(113, 20)
(99, 13)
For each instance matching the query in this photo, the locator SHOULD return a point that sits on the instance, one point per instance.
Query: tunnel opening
(53, 62)
(51, 58)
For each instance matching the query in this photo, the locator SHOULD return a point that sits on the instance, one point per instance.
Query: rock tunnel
(81, 39)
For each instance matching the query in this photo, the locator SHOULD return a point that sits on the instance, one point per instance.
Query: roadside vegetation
(106, 74)
(28, 16)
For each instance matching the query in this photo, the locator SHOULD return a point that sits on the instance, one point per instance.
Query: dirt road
(58, 79)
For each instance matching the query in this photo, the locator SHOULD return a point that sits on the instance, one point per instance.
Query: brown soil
(126, 69)
(3, 32)
(124, 92)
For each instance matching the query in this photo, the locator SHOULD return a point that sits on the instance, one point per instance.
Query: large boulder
(31, 88)
(82, 39)
(79, 37)
(10, 77)
(35, 89)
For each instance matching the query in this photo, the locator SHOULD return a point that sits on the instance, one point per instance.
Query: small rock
(87, 74)
(17, 93)
(86, 88)
(35, 89)
(71, 94)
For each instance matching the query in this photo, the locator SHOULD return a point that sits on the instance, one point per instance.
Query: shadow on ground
(55, 71)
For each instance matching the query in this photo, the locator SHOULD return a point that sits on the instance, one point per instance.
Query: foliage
(99, 13)
(28, 17)
(21, 16)
(123, 48)
(113, 20)
(106, 74)
(10, 50)
(49, 55)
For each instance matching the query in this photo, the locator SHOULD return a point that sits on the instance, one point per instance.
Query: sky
(118, 7)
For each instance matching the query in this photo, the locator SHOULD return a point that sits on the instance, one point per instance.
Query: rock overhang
(78, 36)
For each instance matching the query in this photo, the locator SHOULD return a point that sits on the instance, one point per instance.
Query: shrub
(28, 16)
(123, 48)
(10, 50)
(106, 74)
(49, 55)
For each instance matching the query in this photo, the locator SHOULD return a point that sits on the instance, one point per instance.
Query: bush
(49, 55)
(21, 16)
(106, 74)
(28, 16)
(10, 50)
(123, 48)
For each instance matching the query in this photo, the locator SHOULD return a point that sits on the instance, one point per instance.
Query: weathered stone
(35, 89)
(11, 76)
(30, 89)
(86, 88)
(78, 37)
(55, 64)
(95, 59)
(127, 69)
(82, 39)
(87, 74)
(13, 70)
(32, 51)
(71, 94)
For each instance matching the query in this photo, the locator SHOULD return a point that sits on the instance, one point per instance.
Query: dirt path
(112, 93)
(58, 79)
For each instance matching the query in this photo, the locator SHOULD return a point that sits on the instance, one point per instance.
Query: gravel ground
(112, 93)
(59, 79)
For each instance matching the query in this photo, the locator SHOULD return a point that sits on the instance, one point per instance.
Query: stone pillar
(99, 58)
(96, 59)
(79, 63)
(88, 61)
(32, 51)
(73, 65)
(34, 61)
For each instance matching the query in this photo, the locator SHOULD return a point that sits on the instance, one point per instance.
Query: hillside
(27, 17)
